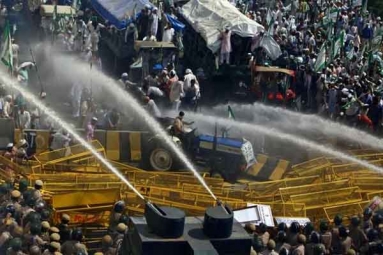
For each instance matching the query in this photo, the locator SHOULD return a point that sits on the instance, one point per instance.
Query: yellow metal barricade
(311, 167)
(85, 198)
(317, 187)
(271, 187)
(318, 200)
(368, 184)
(287, 209)
(346, 210)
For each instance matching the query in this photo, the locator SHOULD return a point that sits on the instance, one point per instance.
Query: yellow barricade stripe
(113, 145)
(135, 146)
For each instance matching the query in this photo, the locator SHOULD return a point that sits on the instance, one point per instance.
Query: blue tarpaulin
(177, 25)
(120, 12)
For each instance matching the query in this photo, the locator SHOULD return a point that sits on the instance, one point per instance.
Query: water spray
(315, 122)
(273, 132)
(130, 102)
(33, 99)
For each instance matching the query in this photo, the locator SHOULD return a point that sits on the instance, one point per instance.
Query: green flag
(351, 53)
(269, 18)
(231, 114)
(320, 63)
(337, 45)
(6, 47)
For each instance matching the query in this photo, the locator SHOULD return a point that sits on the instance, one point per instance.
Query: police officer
(74, 245)
(115, 215)
(373, 245)
(45, 231)
(52, 248)
(292, 236)
(270, 248)
(326, 235)
(263, 234)
(357, 235)
(37, 192)
(55, 237)
(281, 241)
(308, 229)
(33, 239)
(119, 237)
(335, 238)
(15, 247)
(300, 249)
(367, 222)
(107, 245)
(34, 250)
(15, 200)
(63, 227)
(315, 242)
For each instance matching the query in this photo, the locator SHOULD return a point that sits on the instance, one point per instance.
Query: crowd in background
(27, 226)
(334, 47)
(362, 235)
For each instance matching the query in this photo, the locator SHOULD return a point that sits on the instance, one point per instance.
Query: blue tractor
(227, 157)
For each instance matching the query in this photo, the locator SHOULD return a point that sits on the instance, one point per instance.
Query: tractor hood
(229, 145)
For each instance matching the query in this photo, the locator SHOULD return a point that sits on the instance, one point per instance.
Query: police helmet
(367, 212)
(355, 221)
(338, 219)
(35, 229)
(282, 227)
(119, 206)
(77, 235)
(372, 235)
(294, 227)
(308, 228)
(315, 237)
(323, 226)
(15, 244)
(10, 209)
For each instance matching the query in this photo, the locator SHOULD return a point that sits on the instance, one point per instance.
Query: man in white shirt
(168, 34)
(176, 93)
(189, 76)
(154, 22)
(7, 108)
(24, 118)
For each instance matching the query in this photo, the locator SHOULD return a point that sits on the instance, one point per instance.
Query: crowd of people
(362, 235)
(334, 47)
(27, 226)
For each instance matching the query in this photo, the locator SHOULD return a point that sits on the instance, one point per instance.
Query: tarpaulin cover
(177, 25)
(209, 17)
(118, 12)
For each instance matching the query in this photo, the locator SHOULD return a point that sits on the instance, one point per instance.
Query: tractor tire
(160, 159)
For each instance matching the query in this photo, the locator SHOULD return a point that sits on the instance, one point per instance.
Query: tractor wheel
(161, 159)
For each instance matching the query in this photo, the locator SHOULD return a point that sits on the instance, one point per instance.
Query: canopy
(209, 17)
(118, 12)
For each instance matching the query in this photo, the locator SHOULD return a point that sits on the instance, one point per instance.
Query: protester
(90, 127)
(24, 118)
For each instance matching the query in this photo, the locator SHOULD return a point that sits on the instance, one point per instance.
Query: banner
(6, 47)
(320, 63)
